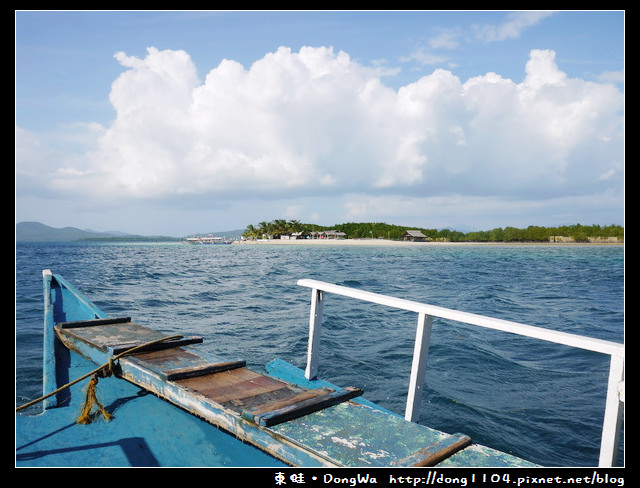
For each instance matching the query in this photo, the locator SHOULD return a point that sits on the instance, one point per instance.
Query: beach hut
(333, 234)
(414, 236)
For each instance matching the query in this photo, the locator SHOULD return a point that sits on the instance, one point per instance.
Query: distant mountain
(37, 232)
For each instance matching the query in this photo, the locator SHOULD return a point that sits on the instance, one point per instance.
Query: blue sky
(183, 122)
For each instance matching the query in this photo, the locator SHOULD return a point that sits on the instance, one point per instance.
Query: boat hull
(166, 396)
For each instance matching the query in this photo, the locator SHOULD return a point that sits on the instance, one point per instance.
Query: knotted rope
(90, 398)
(103, 371)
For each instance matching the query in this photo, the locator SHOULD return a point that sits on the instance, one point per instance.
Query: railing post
(315, 324)
(418, 366)
(611, 426)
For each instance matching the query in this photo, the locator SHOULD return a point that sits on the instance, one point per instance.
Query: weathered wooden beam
(436, 452)
(200, 370)
(304, 407)
(93, 322)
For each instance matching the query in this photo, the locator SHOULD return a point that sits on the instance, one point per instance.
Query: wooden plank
(232, 385)
(283, 394)
(304, 407)
(164, 359)
(289, 400)
(201, 370)
(91, 323)
(436, 452)
(357, 434)
(105, 336)
(158, 346)
(117, 335)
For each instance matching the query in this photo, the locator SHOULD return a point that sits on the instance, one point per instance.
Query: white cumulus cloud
(316, 122)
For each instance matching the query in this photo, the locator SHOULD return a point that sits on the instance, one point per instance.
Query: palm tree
(280, 226)
(295, 226)
(251, 232)
(265, 228)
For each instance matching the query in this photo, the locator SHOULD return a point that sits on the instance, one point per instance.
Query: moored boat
(208, 240)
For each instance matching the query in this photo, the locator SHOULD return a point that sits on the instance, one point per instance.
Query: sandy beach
(387, 242)
(333, 242)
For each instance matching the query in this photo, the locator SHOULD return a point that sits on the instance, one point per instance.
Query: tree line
(381, 230)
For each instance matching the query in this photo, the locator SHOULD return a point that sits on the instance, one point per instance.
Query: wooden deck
(305, 423)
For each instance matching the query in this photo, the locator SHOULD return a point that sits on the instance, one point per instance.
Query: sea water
(540, 401)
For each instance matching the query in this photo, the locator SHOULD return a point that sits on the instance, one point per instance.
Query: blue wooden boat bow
(297, 420)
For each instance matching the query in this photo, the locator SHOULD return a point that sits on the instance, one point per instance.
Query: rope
(89, 400)
(103, 371)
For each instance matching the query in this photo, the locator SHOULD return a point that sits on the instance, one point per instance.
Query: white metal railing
(615, 391)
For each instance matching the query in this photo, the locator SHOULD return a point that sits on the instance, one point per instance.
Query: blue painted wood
(436, 452)
(62, 302)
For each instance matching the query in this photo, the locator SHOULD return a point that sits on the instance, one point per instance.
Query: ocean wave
(538, 400)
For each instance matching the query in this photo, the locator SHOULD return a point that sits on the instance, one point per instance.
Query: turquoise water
(540, 401)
